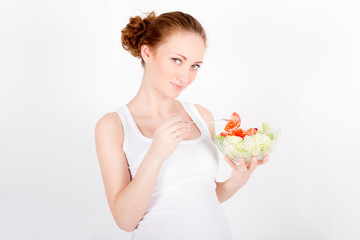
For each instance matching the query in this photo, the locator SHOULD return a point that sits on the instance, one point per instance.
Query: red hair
(153, 30)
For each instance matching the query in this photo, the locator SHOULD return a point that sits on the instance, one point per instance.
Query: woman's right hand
(167, 136)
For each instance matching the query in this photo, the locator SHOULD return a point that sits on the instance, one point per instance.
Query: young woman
(158, 171)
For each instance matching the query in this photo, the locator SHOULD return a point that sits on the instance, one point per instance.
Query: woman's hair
(153, 30)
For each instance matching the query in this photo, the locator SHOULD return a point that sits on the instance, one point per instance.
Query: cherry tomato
(251, 131)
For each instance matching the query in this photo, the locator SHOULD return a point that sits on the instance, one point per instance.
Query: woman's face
(175, 63)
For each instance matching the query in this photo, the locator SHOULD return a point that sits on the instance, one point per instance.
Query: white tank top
(184, 204)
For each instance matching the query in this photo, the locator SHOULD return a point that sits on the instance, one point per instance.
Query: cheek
(164, 70)
(192, 76)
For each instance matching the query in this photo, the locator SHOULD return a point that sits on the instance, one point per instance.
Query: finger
(242, 165)
(260, 162)
(231, 163)
(253, 163)
(182, 133)
(176, 126)
(264, 160)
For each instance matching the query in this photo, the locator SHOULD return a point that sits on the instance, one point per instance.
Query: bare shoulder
(207, 116)
(111, 124)
(205, 113)
(110, 119)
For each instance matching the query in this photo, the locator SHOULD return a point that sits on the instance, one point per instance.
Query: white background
(294, 64)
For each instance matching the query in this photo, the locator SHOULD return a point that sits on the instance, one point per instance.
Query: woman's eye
(176, 60)
(196, 66)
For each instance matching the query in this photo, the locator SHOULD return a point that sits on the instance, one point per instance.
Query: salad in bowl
(237, 143)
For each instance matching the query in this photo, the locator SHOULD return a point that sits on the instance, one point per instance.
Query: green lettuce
(259, 144)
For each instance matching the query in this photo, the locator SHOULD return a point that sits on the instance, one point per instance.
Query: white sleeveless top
(184, 204)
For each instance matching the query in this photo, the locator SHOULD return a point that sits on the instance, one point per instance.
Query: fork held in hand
(220, 119)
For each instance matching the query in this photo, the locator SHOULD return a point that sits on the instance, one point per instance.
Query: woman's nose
(184, 77)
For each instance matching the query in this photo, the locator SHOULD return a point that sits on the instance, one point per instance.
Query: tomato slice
(224, 134)
(239, 132)
(234, 123)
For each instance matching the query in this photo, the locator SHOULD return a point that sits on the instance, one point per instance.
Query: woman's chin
(173, 95)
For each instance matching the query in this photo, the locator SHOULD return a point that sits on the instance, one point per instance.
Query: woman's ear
(145, 53)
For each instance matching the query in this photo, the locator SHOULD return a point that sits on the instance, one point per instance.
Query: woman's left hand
(242, 172)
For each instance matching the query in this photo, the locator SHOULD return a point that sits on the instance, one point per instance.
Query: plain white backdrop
(294, 64)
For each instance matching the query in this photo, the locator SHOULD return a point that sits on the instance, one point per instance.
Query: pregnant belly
(184, 212)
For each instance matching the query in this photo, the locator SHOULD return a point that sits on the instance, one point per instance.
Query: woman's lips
(177, 87)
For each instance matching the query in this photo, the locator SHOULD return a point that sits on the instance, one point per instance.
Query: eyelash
(198, 66)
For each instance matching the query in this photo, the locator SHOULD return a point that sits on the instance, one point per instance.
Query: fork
(220, 119)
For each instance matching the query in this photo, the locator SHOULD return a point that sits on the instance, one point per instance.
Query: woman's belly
(186, 211)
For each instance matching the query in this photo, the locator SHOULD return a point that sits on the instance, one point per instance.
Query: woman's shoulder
(112, 119)
(109, 120)
(205, 113)
(110, 124)
(208, 117)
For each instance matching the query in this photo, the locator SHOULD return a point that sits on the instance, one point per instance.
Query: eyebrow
(186, 58)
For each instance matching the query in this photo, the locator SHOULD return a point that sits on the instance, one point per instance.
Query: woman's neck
(148, 102)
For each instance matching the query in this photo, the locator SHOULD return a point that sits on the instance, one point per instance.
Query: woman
(158, 171)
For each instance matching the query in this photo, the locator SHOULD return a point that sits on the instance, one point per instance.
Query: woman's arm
(128, 200)
(239, 176)
(225, 190)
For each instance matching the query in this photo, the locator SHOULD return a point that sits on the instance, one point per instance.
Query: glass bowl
(253, 146)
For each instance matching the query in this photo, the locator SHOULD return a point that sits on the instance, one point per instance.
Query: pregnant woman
(159, 171)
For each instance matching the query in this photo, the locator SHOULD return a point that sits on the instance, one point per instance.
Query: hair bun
(132, 34)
